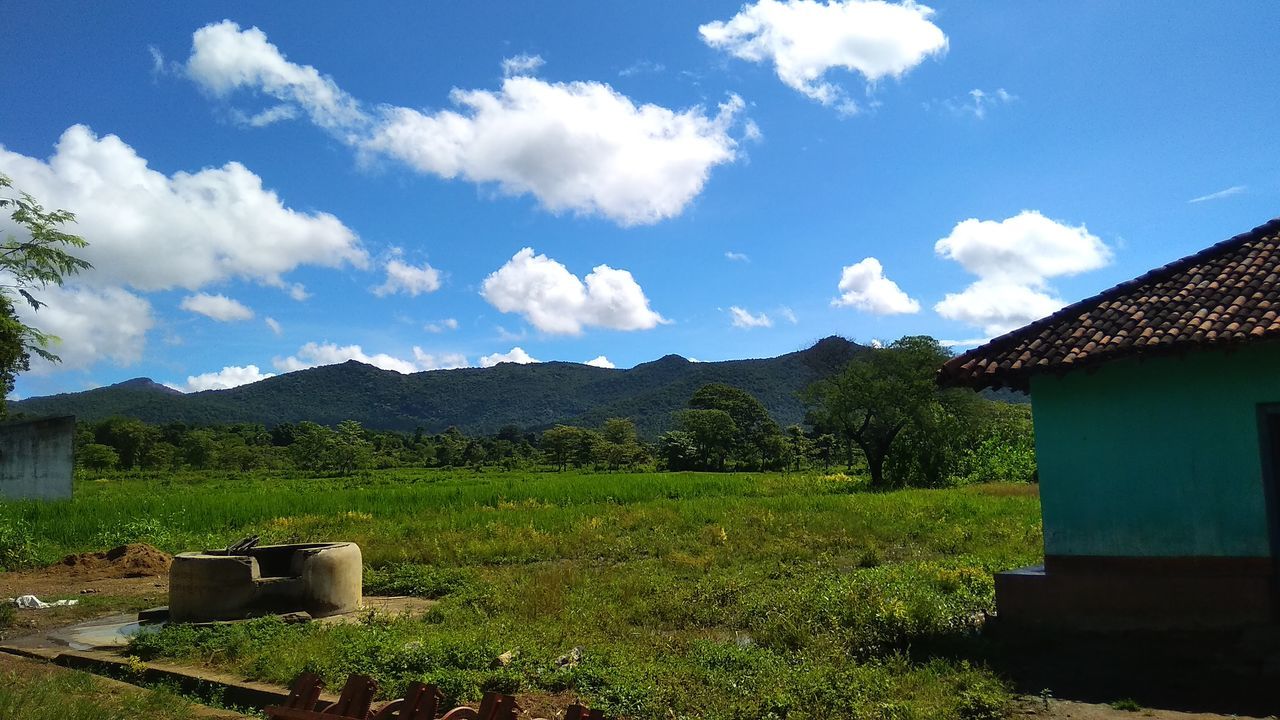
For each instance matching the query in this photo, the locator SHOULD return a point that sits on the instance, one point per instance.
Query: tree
(95, 456)
(351, 450)
(754, 428)
(559, 444)
(878, 395)
(27, 265)
(712, 432)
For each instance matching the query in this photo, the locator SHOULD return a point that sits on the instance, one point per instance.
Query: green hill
(475, 400)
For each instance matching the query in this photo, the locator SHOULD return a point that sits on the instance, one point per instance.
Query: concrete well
(320, 579)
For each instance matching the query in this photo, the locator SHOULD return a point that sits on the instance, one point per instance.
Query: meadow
(652, 595)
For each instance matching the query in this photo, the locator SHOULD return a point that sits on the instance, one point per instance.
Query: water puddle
(112, 632)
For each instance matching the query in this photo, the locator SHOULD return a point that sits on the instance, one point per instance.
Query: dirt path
(1035, 708)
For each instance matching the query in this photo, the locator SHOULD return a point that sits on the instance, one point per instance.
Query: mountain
(476, 400)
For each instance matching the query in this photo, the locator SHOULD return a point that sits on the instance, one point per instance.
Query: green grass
(698, 595)
(71, 695)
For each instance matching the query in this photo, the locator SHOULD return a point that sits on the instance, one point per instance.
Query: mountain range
(475, 400)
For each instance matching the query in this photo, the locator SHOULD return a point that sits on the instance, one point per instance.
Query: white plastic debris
(31, 602)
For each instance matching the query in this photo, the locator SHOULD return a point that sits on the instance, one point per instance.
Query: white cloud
(1013, 259)
(298, 292)
(153, 231)
(788, 314)
(1027, 247)
(742, 318)
(228, 377)
(641, 67)
(997, 307)
(522, 64)
(93, 324)
(601, 362)
(970, 342)
(805, 39)
(217, 307)
(274, 325)
(554, 300)
(515, 355)
(864, 286)
(1228, 192)
(978, 102)
(736, 256)
(438, 361)
(267, 117)
(314, 354)
(580, 147)
(225, 58)
(441, 326)
(408, 279)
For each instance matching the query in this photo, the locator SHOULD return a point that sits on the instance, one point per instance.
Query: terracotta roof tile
(1223, 294)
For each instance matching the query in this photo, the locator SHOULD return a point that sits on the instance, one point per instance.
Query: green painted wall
(1156, 457)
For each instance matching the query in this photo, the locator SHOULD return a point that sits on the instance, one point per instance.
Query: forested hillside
(474, 400)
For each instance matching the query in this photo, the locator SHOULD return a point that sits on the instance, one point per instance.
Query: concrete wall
(1157, 457)
(36, 458)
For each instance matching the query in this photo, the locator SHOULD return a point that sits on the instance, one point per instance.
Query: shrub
(17, 546)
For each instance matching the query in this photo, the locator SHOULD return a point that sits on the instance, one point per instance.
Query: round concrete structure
(320, 579)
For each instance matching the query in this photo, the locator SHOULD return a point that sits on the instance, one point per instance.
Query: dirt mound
(127, 561)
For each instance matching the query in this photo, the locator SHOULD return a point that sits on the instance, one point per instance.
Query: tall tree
(28, 264)
(753, 440)
(878, 395)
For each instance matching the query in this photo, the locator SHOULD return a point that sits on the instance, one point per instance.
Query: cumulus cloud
(438, 361)
(522, 64)
(515, 355)
(225, 58)
(1013, 260)
(577, 147)
(601, 361)
(228, 377)
(92, 324)
(217, 307)
(742, 318)
(554, 300)
(408, 279)
(274, 325)
(209, 226)
(736, 256)
(580, 147)
(804, 39)
(441, 326)
(864, 286)
(314, 354)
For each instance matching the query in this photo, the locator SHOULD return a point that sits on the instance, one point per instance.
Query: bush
(17, 547)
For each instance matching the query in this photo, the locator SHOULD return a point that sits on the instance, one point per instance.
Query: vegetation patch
(718, 595)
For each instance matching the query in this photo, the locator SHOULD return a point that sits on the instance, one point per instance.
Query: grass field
(651, 595)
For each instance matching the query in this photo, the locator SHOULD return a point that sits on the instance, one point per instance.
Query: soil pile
(127, 561)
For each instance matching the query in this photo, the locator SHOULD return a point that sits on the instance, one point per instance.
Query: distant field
(685, 595)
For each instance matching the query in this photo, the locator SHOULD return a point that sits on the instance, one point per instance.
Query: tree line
(882, 414)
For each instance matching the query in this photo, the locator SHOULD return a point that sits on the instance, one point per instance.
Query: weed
(1127, 705)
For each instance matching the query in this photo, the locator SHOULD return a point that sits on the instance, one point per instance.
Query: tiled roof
(1227, 293)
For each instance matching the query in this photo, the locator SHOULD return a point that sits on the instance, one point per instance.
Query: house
(1157, 417)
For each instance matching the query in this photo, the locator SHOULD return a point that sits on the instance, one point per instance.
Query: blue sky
(267, 187)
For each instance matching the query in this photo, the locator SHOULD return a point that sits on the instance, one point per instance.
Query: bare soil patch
(1034, 708)
(126, 561)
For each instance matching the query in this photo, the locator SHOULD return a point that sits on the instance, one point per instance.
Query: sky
(267, 187)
